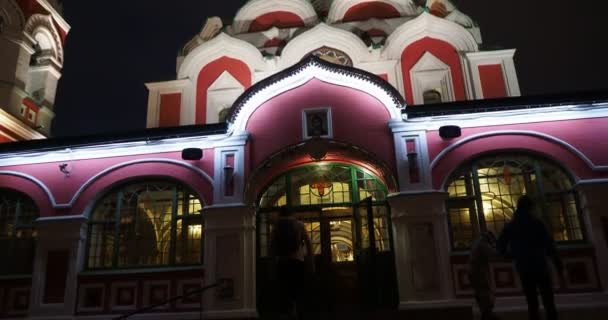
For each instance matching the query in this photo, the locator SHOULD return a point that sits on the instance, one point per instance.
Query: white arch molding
(255, 8)
(313, 69)
(530, 133)
(427, 25)
(13, 16)
(323, 35)
(339, 8)
(101, 174)
(43, 24)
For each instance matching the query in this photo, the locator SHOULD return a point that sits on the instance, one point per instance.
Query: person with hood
(528, 242)
(482, 251)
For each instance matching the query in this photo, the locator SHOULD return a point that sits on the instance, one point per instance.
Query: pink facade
(330, 123)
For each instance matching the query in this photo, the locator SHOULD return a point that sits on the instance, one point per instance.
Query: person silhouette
(292, 248)
(528, 242)
(482, 251)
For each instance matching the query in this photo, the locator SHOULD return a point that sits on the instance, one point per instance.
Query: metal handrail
(151, 307)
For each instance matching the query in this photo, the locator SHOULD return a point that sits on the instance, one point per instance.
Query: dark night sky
(114, 47)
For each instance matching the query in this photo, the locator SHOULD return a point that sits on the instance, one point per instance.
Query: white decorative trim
(427, 25)
(18, 127)
(531, 133)
(156, 89)
(300, 78)
(339, 8)
(44, 23)
(373, 23)
(517, 116)
(255, 8)
(504, 58)
(219, 197)
(323, 35)
(221, 94)
(102, 173)
(107, 150)
(405, 187)
(220, 46)
(10, 10)
(430, 73)
(56, 15)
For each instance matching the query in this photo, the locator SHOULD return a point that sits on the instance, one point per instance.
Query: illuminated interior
(146, 224)
(325, 198)
(483, 196)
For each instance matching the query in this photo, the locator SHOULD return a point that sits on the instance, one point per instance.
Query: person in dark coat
(528, 242)
(292, 248)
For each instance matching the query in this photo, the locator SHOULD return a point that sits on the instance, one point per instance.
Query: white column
(421, 247)
(230, 254)
(593, 203)
(63, 235)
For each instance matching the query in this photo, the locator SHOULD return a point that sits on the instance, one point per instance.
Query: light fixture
(449, 132)
(64, 168)
(192, 154)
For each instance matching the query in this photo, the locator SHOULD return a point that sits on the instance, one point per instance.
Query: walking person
(529, 243)
(293, 252)
(482, 251)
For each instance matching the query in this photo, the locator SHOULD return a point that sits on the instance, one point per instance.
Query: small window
(23, 111)
(431, 96)
(317, 123)
(223, 115)
(31, 115)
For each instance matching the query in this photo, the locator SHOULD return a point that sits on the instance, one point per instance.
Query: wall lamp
(449, 132)
(192, 154)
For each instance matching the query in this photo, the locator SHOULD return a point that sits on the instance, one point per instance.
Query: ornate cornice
(313, 67)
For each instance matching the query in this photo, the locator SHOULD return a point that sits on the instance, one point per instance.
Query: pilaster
(60, 246)
(230, 257)
(595, 217)
(421, 247)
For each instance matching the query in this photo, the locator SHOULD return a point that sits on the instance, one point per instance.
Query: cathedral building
(32, 36)
(384, 126)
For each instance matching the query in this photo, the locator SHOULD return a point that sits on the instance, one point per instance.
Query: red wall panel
(279, 19)
(492, 81)
(170, 108)
(368, 10)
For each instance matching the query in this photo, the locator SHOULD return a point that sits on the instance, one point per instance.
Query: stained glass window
(18, 213)
(483, 196)
(146, 224)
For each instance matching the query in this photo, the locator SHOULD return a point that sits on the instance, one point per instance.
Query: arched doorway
(347, 218)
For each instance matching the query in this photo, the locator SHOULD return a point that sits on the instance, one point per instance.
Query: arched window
(156, 223)
(431, 96)
(483, 196)
(18, 213)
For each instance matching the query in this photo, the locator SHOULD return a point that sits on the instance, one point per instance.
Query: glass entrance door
(374, 256)
(351, 239)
